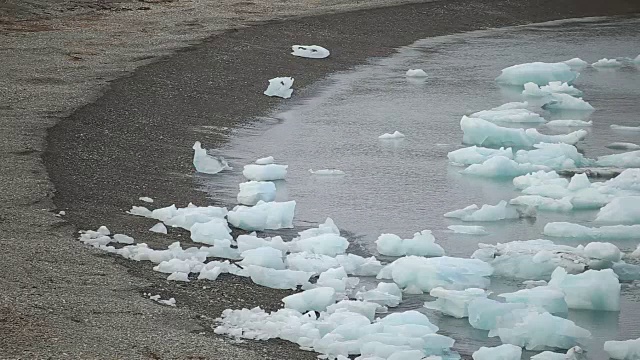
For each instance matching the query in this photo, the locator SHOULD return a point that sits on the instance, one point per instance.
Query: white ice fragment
(576, 63)
(248, 242)
(546, 297)
(422, 244)
(159, 228)
(103, 230)
(571, 230)
(123, 239)
(557, 156)
(269, 172)
(278, 279)
(625, 128)
(253, 191)
(500, 166)
(537, 72)
(337, 279)
(539, 178)
(607, 63)
(485, 314)
(533, 90)
(603, 251)
(591, 290)
(500, 211)
(365, 308)
(623, 146)
(263, 216)
(385, 294)
(573, 354)
(468, 229)
(309, 262)
(206, 163)
(263, 256)
(454, 302)
(543, 203)
(310, 51)
(477, 155)
(621, 210)
(560, 101)
(502, 352)
(178, 276)
(623, 350)
(317, 299)
(396, 135)
(265, 160)
(208, 232)
(145, 199)
(629, 159)
(325, 244)
(326, 172)
(569, 123)
(416, 73)
(513, 115)
(358, 265)
(280, 87)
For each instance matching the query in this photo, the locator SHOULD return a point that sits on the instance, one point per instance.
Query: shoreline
(135, 140)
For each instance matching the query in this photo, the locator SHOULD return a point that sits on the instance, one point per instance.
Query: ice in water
(621, 210)
(280, 87)
(310, 51)
(625, 128)
(268, 172)
(623, 350)
(591, 290)
(477, 155)
(575, 353)
(576, 63)
(468, 229)
(484, 314)
(546, 297)
(607, 63)
(538, 72)
(396, 135)
(502, 352)
(629, 159)
(422, 244)
(206, 163)
(569, 123)
(501, 166)
(623, 146)
(500, 211)
(454, 302)
(326, 172)
(385, 294)
(265, 160)
(533, 90)
(509, 114)
(418, 73)
(253, 191)
(610, 232)
(561, 101)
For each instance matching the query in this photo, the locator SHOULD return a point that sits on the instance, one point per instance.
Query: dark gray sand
(61, 299)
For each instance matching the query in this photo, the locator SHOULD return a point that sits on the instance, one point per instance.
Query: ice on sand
(278, 279)
(621, 210)
(422, 244)
(207, 164)
(591, 290)
(181, 217)
(575, 353)
(267, 257)
(576, 63)
(537, 72)
(280, 87)
(477, 155)
(502, 352)
(623, 350)
(385, 294)
(310, 51)
(418, 274)
(269, 172)
(419, 73)
(561, 101)
(545, 297)
(317, 299)
(337, 279)
(251, 241)
(570, 123)
(625, 128)
(454, 302)
(629, 159)
(607, 63)
(253, 191)
(159, 228)
(396, 135)
(326, 172)
(207, 233)
(623, 146)
(500, 211)
(265, 160)
(123, 239)
(263, 216)
(468, 229)
(509, 115)
(571, 230)
(145, 199)
(501, 166)
(178, 276)
(484, 133)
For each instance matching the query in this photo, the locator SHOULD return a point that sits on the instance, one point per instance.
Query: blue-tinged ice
(269, 172)
(577, 231)
(537, 72)
(454, 302)
(477, 155)
(575, 353)
(263, 216)
(545, 297)
(253, 191)
(629, 159)
(502, 352)
(422, 244)
(591, 290)
(485, 314)
(560, 101)
(623, 350)
(206, 163)
(500, 211)
(501, 166)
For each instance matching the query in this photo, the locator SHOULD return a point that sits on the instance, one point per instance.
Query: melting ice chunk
(317, 299)
(537, 72)
(326, 172)
(269, 172)
(253, 191)
(607, 63)
(625, 128)
(207, 164)
(621, 210)
(396, 135)
(623, 146)
(422, 244)
(310, 51)
(623, 350)
(468, 229)
(145, 199)
(571, 230)
(454, 302)
(576, 63)
(502, 352)
(501, 166)
(278, 279)
(267, 257)
(477, 155)
(573, 354)
(263, 216)
(500, 211)
(509, 115)
(385, 294)
(569, 123)
(280, 87)
(629, 159)
(533, 90)
(416, 73)
(159, 228)
(591, 290)
(561, 101)
(546, 297)
(265, 160)
(484, 314)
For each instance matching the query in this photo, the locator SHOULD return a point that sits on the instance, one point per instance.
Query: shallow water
(406, 186)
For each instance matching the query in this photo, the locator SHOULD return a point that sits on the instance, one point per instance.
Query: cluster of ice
(181, 217)
(548, 298)
(607, 63)
(396, 135)
(416, 73)
(263, 216)
(206, 163)
(468, 229)
(623, 350)
(629, 159)
(419, 274)
(252, 192)
(454, 302)
(575, 353)
(533, 90)
(500, 211)
(268, 172)
(422, 244)
(385, 294)
(484, 133)
(502, 352)
(326, 172)
(280, 87)
(514, 112)
(310, 51)
(591, 290)
(569, 123)
(571, 230)
(560, 101)
(538, 72)
(625, 128)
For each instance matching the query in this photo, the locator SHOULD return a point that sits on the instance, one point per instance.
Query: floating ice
(539, 178)
(453, 302)
(317, 299)
(569, 123)
(556, 156)
(607, 63)
(626, 272)
(573, 354)
(591, 290)
(178, 276)
(543, 203)
(629, 159)
(265, 160)
(560, 101)
(533, 90)
(571, 230)
(487, 212)
(207, 164)
(502, 352)
(468, 229)
(263, 216)
(545, 297)
(422, 244)
(253, 191)
(159, 228)
(418, 274)
(267, 257)
(484, 133)
(501, 166)
(625, 128)
(623, 146)
(509, 116)
(484, 314)
(477, 155)
(537, 72)
(278, 279)
(576, 63)
(623, 350)
(385, 294)
(416, 73)
(603, 251)
(208, 232)
(145, 199)
(396, 135)
(621, 210)
(280, 87)
(327, 172)
(310, 51)
(269, 172)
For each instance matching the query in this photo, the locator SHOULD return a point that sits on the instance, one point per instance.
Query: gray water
(406, 186)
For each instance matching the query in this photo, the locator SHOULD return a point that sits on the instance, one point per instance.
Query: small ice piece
(265, 160)
(280, 87)
(591, 290)
(453, 302)
(607, 63)
(629, 159)
(396, 135)
(278, 279)
(512, 105)
(571, 230)
(484, 314)
(573, 354)
(603, 251)
(561, 101)
(576, 63)
(178, 276)
(533, 283)
(543, 203)
(422, 244)
(156, 298)
(206, 163)
(537, 72)
(123, 239)
(263, 216)
(145, 199)
(502, 352)
(159, 228)
(517, 115)
(500, 166)
(623, 350)
(310, 51)
(487, 212)
(269, 172)
(625, 128)
(338, 280)
(263, 256)
(419, 73)
(545, 297)
(477, 155)
(206, 233)
(385, 294)
(468, 229)
(623, 146)
(317, 299)
(210, 272)
(326, 172)
(253, 191)
(621, 210)
(569, 123)
(626, 272)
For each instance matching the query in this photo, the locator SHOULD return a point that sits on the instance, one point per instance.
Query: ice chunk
(396, 135)
(502, 352)
(314, 263)
(621, 210)
(210, 272)
(623, 146)
(280, 87)
(385, 294)
(338, 280)
(145, 199)
(310, 51)
(509, 116)
(159, 228)
(545, 297)
(592, 290)
(484, 133)
(556, 156)
(207, 164)
(317, 299)
(543, 203)
(569, 123)
(419, 274)
(539, 178)
(206, 233)
(453, 302)
(178, 265)
(607, 63)
(629, 159)
(263, 216)
(156, 298)
(477, 155)
(278, 279)
(561, 101)
(626, 272)
(579, 182)
(625, 128)
(487, 212)
(637, 59)
(248, 242)
(269, 172)
(359, 266)
(500, 166)
(422, 244)
(367, 309)
(533, 90)
(325, 244)
(576, 63)
(468, 229)
(328, 227)
(123, 239)
(603, 251)
(573, 354)
(222, 249)
(265, 160)
(570, 230)
(635, 253)
(178, 276)
(484, 314)
(181, 217)
(537, 72)
(327, 172)
(253, 191)
(263, 256)
(623, 350)
(416, 73)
